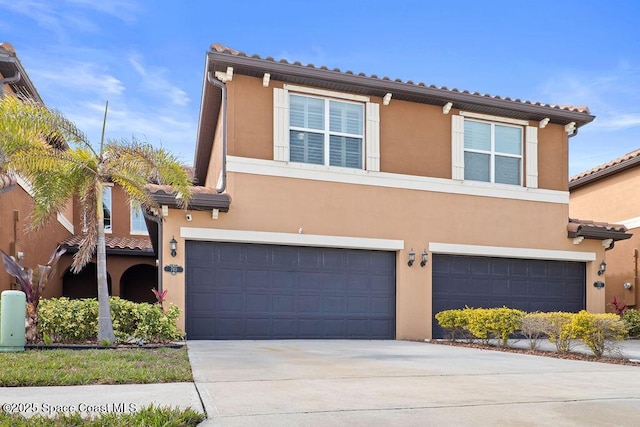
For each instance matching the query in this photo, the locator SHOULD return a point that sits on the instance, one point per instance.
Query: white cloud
(79, 76)
(155, 82)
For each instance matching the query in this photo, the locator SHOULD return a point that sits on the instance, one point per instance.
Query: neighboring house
(16, 203)
(341, 205)
(608, 193)
(131, 262)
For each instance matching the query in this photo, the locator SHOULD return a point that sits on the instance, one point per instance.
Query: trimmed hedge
(631, 319)
(596, 331)
(65, 320)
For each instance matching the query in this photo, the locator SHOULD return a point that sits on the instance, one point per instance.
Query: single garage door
(252, 291)
(530, 285)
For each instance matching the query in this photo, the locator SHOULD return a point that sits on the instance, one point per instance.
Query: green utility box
(13, 311)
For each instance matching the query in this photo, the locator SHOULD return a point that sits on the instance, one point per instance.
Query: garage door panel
(267, 292)
(529, 285)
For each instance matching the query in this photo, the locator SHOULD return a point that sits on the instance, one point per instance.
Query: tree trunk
(105, 325)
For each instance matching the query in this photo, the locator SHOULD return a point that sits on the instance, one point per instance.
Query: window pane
(306, 147)
(345, 117)
(137, 220)
(306, 112)
(106, 207)
(507, 170)
(344, 151)
(477, 135)
(476, 166)
(508, 140)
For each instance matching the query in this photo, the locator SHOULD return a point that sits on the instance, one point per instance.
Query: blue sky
(147, 57)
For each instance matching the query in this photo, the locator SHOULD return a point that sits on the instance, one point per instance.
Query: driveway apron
(364, 383)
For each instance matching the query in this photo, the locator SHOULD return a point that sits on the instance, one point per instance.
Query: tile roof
(115, 243)
(589, 229)
(219, 48)
(6, 181)
(605, 169)
(203, 198)
(575, 224)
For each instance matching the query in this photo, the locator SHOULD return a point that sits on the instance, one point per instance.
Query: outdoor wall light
(412, 258)
(173, 245)
(425, 258)
(602, 268)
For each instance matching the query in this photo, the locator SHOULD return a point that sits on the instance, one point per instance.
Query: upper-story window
(492, 152)
(138, 226)
(319, 127)
(107, 208)
(326, 131)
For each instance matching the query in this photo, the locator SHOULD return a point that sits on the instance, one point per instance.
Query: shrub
(597, 331)
(454, 322)
(479, 323)
(631, 319)
(532, 327)
(558, 328)
(67, 320)
(503, 322)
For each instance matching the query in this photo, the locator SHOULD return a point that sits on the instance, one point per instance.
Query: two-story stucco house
(354, 206)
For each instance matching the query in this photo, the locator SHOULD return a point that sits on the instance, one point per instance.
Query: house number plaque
(173, 269)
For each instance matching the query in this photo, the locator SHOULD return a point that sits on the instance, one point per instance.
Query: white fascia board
(65, 223)
(26, 185)
(510, 252)
(630, 223)
(291, 239)
(392, 180)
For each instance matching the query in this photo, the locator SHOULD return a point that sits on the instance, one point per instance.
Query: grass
(149, 416)
(81, 367)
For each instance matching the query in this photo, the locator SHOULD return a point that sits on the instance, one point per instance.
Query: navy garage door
(251, 291)
(530, 285)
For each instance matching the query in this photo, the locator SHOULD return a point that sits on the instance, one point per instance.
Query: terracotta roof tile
(219, 48)
(603, 167)
(575, 224)
(7, 181)
(131, 243)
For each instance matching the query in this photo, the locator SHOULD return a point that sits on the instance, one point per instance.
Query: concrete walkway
(365, 383)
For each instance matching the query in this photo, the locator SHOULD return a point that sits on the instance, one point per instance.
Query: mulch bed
(568, 356)
(99, 347)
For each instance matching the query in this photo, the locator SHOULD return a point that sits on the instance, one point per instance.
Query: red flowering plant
(160, 297)
(618, 306)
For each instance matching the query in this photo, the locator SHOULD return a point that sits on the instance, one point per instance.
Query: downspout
(8, 80)
(211, 78)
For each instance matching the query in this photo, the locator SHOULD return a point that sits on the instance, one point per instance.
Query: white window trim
(371, 147)
(490, 118)
(510, 252)
(326, 93)
(110, 230)
(391, 180)
(493, 153)
(133, 232)
(291, 239)
(327, 133)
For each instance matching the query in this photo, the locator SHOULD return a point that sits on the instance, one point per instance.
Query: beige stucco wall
(612, 200)
(418, 218)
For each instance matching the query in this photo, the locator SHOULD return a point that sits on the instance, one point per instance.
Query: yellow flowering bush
(597, 331)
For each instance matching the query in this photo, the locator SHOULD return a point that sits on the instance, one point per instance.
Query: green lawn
(81, 367)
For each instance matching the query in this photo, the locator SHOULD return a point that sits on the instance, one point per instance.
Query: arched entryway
(136, 283)
(83, 284)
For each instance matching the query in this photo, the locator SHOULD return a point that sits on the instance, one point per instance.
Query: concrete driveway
(365, 383)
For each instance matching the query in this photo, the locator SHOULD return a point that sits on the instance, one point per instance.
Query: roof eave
(603, 173)
(598, 233)
(198, 201)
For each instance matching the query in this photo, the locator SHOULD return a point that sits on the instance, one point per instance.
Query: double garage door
(252, 291)
(529, 285)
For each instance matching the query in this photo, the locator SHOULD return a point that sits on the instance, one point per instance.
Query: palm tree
(59, 161)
